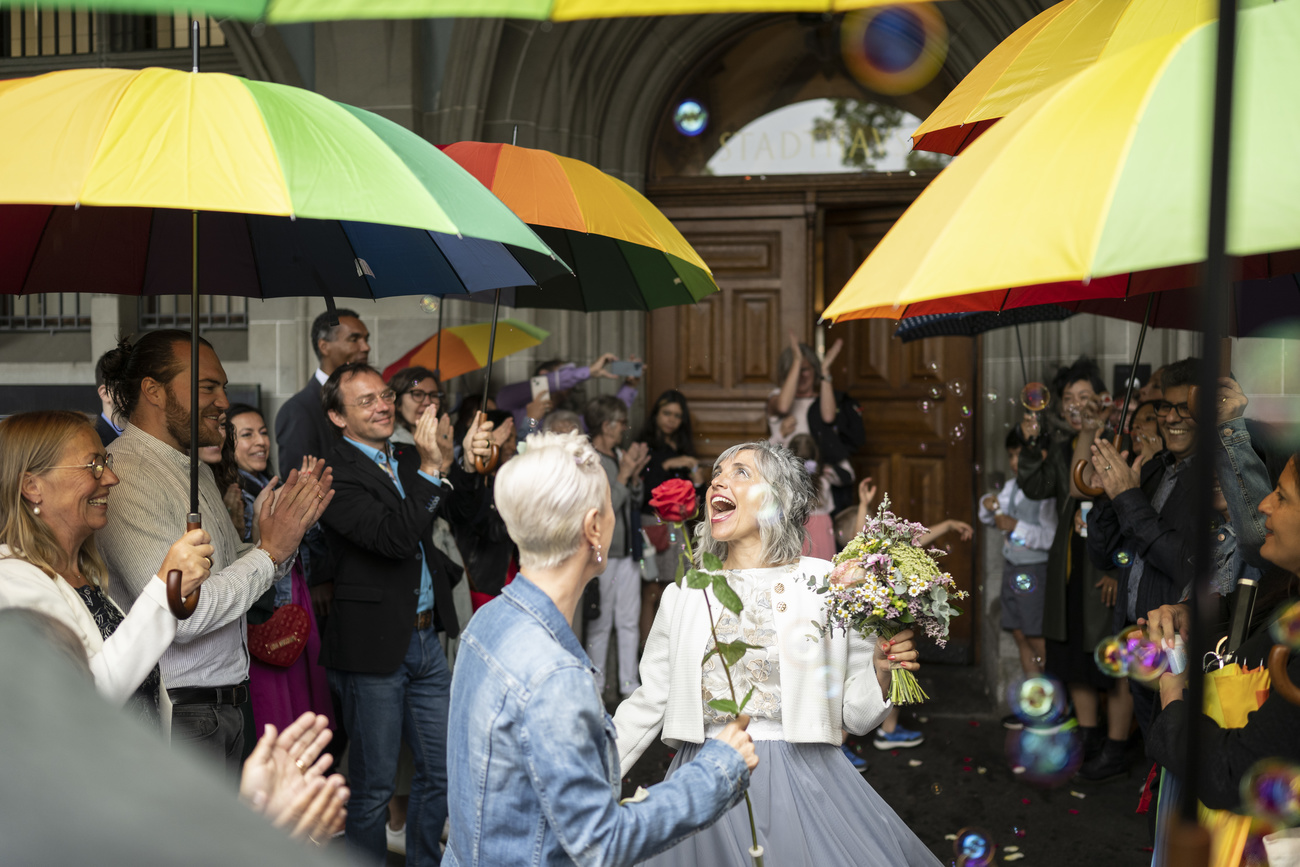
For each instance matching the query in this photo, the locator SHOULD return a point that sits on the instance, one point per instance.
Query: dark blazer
(377, 541)
(107, 433)
(302, 428)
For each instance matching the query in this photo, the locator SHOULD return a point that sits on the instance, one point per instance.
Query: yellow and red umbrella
(464, 348)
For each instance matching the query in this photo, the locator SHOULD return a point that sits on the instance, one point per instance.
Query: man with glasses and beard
(391, 592)
(1146, 520)
(205, 670)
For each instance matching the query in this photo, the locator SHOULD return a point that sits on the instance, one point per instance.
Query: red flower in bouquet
(674, 501)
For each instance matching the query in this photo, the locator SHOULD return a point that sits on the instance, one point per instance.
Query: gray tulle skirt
(812, 809)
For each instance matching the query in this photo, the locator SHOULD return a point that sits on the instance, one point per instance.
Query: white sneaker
(396, 839)
(446, 830)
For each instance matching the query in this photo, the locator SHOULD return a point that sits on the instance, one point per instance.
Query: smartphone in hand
(541, 387)
(624, 368)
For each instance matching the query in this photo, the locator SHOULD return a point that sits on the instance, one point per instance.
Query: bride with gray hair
(810, 806)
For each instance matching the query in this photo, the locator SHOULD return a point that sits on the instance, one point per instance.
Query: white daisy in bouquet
(884, 582)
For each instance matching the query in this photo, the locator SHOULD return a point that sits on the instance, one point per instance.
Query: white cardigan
(120, 664)
(670, 696)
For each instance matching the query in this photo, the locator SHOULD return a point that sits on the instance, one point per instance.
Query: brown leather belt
(424, 619)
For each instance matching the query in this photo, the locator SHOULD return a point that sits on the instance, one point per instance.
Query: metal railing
(27, 32)
(56, 311)
(216, 312)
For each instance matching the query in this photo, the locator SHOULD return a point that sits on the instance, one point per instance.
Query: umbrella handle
(1088, 490)
(182, 607)
(1278, 658)
(486, 465)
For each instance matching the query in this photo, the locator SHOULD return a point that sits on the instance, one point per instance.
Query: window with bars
(56, 311)
(26, 32)
(216, 312)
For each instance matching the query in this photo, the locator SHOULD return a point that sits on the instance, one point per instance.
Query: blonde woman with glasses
(55, 481)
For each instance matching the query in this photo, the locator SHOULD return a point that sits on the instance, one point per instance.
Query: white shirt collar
(321, 376)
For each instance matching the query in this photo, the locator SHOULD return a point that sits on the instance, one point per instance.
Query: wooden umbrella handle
(1079, 467)
(1281, 681)
(182, 607)
(486, 465)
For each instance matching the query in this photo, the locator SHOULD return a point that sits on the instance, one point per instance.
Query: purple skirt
(281, 695)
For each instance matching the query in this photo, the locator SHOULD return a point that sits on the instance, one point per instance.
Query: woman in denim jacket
(532, 764)
(810, 805)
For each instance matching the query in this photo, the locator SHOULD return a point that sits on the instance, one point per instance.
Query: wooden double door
(779, 256)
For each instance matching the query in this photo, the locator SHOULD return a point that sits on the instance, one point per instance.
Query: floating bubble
(894, 49)
(1286, 629)
(933, 367)
(936, 392)
(1111, 656)
(830, 681)
(1024, 583)
(991, 396)
(924, 446)
(974, 847)
(1049, 756)
(429, 303)
(1146, 659)
(805, 651)
(1035, 397)
(690, 118)
(976, 468)
(1122, 558)
(957, 387)
(966, 411)
(957, 433)
(937, 789)
(769, 510)
(1271, 791)
(1019, 832)
(1038, 700)
(925, 404)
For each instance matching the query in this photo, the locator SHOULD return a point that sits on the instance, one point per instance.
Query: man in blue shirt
(392, 590)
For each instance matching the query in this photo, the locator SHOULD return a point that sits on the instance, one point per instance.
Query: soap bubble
(925, 404)
(1035, 397)
(936, 392)
(429, 303)
(937, 789)
(1024, 583)
(933, 367)
(1146, 659)
(894, 49)
(1038, 700)
(1111, 656)
(924, 447)
(1122, 558)
(1049, 756)
(1286, 629)
(991, 395)
(957, 387)
(1271, 791)
(690, 118)
(966, 411)
(957, 433)
(974, 847)
(829, 681)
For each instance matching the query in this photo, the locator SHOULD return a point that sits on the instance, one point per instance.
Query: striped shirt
(146, 515)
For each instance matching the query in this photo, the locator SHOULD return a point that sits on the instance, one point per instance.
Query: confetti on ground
(968, 760)
(1018, 769)
(973, 724)
(893, 752)
(1011, 849)
(1024, 800)
(1014, 856)
(916, 763)
(1079, 795)
(950, 836)
(966, 768)
(1019, 832)
(981, 770)
(924, 719)
(1073, 812)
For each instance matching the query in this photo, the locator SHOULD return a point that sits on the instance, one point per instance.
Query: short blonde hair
(544, 494)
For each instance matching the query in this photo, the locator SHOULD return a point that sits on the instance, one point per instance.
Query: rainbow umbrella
(1103, 176)
(288, 11)
(625, 254)
(464, 348)
(1055, 44)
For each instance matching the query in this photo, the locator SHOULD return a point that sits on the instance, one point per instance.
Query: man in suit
(106, 424)
(380, 645)
(301, 428)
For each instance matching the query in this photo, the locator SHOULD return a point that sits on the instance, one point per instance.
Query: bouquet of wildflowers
(884, 582)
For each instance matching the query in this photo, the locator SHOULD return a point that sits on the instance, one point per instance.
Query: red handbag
(280, 640)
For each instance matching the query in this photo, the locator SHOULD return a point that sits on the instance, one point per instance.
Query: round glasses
(97, 465)
(387, 396)
(420, 396)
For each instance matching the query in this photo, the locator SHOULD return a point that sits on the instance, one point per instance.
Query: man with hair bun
(206, 668)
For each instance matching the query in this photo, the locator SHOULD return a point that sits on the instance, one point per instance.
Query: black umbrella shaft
(492, 342)
(194, 366)
(1214, 314)
(1132, 371)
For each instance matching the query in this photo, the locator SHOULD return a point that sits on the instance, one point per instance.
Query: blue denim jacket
(1245, 483)
(532, 761)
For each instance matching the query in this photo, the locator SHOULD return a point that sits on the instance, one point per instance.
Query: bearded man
(205, 670)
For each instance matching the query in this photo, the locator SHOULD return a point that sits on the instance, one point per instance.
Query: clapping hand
(284, 779)
(1112, 469)
(632, 462)
(295, 507)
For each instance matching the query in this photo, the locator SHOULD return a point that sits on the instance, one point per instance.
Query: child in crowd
(820, 539)
(1029, 527)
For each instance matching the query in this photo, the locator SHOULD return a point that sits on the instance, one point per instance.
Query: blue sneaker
(859, 763)
(898, 738)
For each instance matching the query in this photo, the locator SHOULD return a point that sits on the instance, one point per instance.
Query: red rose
(674, 500)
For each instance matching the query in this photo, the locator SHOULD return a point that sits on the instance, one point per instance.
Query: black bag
(591, 600)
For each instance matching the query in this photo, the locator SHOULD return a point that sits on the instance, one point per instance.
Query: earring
(599, 559)
(36, 510)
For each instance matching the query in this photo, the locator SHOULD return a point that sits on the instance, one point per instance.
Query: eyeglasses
(1163, 407)
(96, 466)
(421, 396)
(387, 396)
